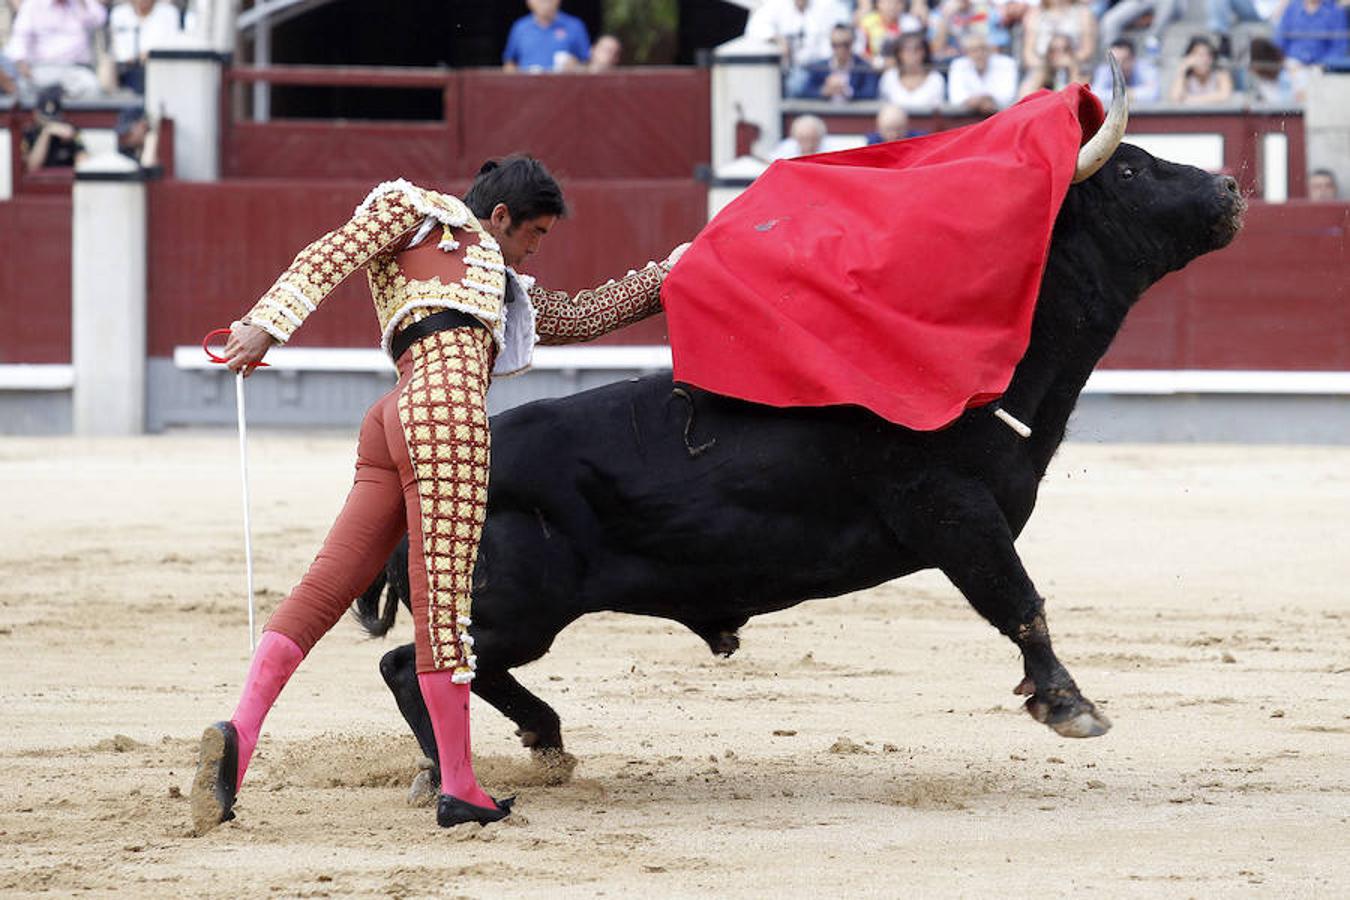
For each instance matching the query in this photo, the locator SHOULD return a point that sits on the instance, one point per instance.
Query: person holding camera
(1201, 81)
(50, 141)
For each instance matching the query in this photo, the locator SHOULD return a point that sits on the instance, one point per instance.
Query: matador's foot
(451, 811)
(215, 785)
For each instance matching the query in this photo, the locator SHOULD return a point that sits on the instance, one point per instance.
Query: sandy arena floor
(866, 745)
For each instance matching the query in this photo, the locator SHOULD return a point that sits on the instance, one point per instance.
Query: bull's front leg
(967, 536)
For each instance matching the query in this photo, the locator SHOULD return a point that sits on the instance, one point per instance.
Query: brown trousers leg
(422, 464)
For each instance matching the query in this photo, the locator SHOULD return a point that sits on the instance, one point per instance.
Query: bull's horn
(1098, 150)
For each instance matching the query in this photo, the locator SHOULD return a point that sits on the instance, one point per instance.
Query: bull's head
(1151, 216)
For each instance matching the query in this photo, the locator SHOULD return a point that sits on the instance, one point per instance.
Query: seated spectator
(801, 29)
(1119, 17)
(892, 125)
(1322, 186)
(1056, 70)
(844, 76)
(1268, 81)
(50, 44)
(957, 18)
(137, 27)
(1070, 18)
(605, 54)
(884, 24)
(1141, 75)
(911, 83)
(547, 40)
(135, 139)
(1310, 32)
(50, 141)
(806, 135)
(981, 81)
(1200, 81)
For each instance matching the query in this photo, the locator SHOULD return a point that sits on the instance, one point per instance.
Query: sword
(243, 477)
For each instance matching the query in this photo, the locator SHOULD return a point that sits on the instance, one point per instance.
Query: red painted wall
(635, 123)
(35, 279)
(1277, 298)
(215, 248)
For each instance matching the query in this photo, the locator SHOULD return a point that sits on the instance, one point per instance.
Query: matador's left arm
(562, 318)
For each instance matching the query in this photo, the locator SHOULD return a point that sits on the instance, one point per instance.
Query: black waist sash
(441, 321)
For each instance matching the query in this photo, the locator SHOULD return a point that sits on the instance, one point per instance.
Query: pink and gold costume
(422, 456)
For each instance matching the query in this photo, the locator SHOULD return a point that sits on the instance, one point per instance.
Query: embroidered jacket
(412, 276)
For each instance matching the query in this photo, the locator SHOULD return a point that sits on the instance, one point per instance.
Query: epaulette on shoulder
(443, 208)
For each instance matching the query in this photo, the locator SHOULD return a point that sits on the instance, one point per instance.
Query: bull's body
(646, 498)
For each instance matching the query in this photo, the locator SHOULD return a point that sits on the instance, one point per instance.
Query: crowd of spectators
(982, 55)
(52, 51)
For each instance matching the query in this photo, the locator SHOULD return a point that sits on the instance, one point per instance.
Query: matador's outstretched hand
(247, 345)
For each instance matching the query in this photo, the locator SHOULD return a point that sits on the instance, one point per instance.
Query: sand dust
(865, 745)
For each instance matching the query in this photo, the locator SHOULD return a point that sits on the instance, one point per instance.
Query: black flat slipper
(451, 811)
(214, 786)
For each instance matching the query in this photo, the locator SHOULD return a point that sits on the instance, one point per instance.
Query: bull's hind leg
(399, 668)
(538, 725)
(971, 543)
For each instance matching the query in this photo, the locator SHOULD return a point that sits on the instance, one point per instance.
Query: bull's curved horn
(1098, 150)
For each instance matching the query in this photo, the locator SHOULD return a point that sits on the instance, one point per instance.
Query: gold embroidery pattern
(373, 237)
(564, 319)
(324, 264)
(443, 410)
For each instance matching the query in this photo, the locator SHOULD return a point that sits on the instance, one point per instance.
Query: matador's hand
(674, 257)
(247, 345)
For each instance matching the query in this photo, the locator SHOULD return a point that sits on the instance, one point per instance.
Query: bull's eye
(1126, 172)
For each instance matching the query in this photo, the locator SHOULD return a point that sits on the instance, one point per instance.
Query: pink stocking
(448, 704)
(273, 663)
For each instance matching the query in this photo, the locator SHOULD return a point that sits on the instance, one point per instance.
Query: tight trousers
(421, 465)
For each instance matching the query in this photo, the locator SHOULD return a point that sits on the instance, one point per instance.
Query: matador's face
(518, 240)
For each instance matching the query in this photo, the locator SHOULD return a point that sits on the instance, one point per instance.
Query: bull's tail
(366, 608)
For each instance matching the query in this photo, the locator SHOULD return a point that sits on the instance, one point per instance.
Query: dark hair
(49, 100)
(1198, 41)
(1124, 43)
(910, 37)
(519, 181)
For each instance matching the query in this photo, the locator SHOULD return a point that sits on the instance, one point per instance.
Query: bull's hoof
(555, 764)
(1076, 718)
(725, 643)
(425, 787)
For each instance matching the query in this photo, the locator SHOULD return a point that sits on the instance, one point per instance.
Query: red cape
(900, 277)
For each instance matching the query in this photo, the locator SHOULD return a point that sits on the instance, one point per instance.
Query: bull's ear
(1097, 151)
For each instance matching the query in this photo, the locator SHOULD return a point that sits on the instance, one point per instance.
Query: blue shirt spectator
(1313, 31)
(536, 40)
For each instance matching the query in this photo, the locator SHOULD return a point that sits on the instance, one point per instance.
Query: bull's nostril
(1230, 184)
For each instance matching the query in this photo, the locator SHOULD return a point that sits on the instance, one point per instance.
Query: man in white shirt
(137, 27)
(981, 81)
(801, 29)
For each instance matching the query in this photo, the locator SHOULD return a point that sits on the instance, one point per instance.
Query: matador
(453, 312)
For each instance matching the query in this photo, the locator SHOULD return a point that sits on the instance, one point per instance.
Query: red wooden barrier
(1277, 298)
(35, 279)
(214, 248)
(634, 123)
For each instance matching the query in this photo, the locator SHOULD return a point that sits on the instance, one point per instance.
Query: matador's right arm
(381, 225)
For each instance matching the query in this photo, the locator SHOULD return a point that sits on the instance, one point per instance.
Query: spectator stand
(95, 118)
(1263, 147)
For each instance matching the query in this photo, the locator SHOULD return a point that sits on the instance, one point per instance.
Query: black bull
(644, 497)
